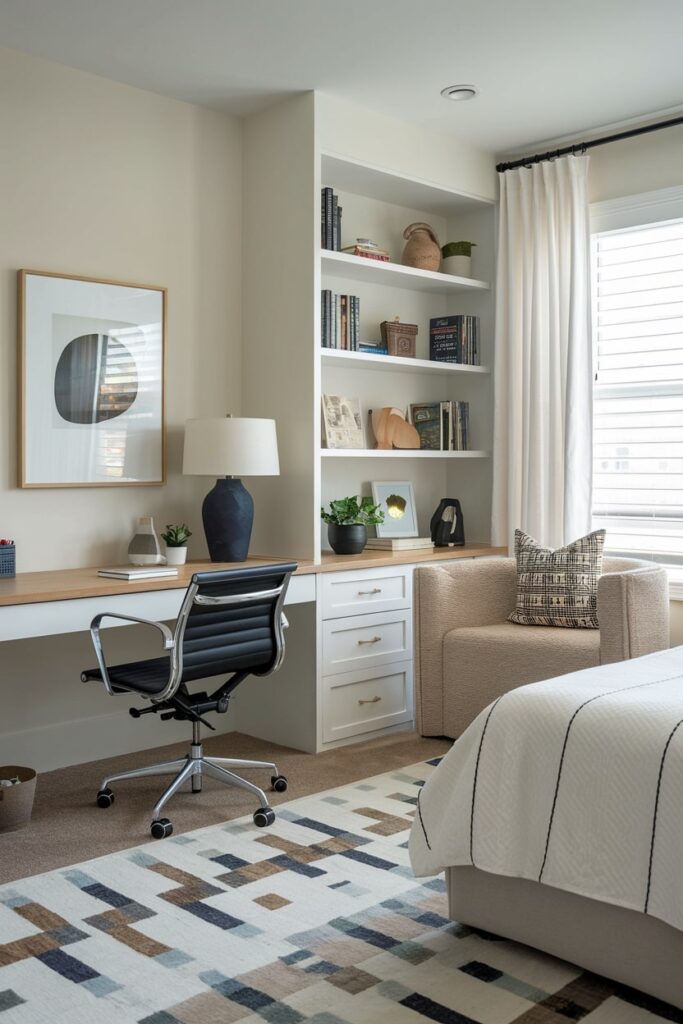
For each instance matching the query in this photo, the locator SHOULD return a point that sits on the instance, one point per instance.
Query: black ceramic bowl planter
(347, 540)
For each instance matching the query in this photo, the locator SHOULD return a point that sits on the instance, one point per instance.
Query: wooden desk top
(69, 584)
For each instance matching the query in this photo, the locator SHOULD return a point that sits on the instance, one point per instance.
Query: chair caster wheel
(105, 797)
(263, 817)
(278, 783)
(161, 829)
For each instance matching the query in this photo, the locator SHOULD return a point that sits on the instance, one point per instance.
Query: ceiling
(545, 69)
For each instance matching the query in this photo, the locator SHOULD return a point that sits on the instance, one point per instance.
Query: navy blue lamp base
(228, 515)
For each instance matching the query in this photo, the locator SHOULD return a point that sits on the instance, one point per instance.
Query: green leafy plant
(457, 249)
(347, 512)
(176, 536)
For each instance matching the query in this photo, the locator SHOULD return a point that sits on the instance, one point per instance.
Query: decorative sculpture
(391, 429)
(447, 524)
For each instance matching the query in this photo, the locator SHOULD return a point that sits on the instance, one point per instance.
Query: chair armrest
(633, 613)
(480, 592)
(169, 642)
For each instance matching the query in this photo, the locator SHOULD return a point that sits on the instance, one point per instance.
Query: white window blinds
(638, 394)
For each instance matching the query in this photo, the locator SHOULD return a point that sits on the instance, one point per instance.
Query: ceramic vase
(347, 540)
(144, 548)
(422, 249)
(459, 266)
(176, 555)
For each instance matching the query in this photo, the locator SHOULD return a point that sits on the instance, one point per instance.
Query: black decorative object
(447, 525)
(228, 516)
(347, 540)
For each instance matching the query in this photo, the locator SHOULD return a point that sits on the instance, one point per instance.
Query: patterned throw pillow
(558, 588)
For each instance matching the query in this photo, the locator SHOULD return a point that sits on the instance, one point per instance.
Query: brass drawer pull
(372, 700)
(375, 640)
(375, 590)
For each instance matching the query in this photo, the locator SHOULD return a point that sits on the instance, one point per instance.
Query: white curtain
(543, 355)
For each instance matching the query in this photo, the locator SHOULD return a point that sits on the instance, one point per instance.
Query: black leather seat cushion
(137, 676)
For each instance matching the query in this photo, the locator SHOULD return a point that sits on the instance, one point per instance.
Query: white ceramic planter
(458, 266)
(176, 556)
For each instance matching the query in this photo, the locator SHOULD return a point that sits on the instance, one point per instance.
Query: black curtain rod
(582, 147)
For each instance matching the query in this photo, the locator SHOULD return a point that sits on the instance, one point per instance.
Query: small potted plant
(457, 258)
(175, 538)
(347, 523)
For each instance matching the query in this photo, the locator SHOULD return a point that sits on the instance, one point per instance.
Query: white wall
(101, 179)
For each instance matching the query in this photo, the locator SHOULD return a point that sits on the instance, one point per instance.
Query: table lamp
(229, 447)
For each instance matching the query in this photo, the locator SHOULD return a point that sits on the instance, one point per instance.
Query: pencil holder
(8, 560)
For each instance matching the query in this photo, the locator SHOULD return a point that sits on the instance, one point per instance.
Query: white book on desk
(149, 572)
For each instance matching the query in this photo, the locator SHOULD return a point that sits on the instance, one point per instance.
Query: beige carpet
(68, 827)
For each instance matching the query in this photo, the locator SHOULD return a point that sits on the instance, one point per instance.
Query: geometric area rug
(317, 919)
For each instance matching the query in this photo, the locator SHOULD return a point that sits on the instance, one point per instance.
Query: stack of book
(330, 220)
(454, 339)
(373, 348)
(340, 320)
(368, 249)
(399, 543)
(442, 426)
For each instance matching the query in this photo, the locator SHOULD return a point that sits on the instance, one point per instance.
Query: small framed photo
(91, 382)
(397, 501)
(342, 423)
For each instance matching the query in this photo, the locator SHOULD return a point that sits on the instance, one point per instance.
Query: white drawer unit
(360, 641)
(373, 590)
(367, 701)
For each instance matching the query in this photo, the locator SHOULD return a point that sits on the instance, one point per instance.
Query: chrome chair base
(192, 768)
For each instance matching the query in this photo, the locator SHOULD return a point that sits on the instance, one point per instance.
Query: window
(638, 392)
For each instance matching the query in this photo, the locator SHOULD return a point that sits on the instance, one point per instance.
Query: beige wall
(101, 179)
(641, 164)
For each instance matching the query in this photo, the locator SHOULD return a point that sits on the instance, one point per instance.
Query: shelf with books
(396, 453)
(358, 268)
(396, 364)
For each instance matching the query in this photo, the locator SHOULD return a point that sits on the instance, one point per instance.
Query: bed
(557, 816)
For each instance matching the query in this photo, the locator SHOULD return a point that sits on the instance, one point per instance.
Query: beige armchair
(468, 654)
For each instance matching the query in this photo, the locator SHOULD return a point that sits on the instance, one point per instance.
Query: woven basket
(16, 802)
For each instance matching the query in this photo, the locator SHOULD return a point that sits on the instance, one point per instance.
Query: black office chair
(230, 621)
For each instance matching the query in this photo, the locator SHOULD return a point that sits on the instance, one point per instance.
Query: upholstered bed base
(620, 944)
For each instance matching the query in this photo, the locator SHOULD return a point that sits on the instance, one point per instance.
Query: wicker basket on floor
(16, 802)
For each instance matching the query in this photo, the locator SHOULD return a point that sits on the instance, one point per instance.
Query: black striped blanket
(576, 782)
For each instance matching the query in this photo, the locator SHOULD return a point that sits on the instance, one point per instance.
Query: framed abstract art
(397, 501)
(91, 382)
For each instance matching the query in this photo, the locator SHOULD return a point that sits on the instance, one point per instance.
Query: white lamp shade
(230, 446)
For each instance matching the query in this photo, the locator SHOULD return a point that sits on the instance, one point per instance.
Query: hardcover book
(399, 543)
(426, 418)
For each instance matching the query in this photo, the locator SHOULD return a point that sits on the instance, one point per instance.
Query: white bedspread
(576, 782)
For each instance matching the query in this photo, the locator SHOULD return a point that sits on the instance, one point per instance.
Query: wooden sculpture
(391, 429)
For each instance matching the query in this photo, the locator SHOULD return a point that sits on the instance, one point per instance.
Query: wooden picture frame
(91, 382)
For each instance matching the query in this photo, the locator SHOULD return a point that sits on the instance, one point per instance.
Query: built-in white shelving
(397, 453)
(391, 186)
(395, 364)
(359, 268)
